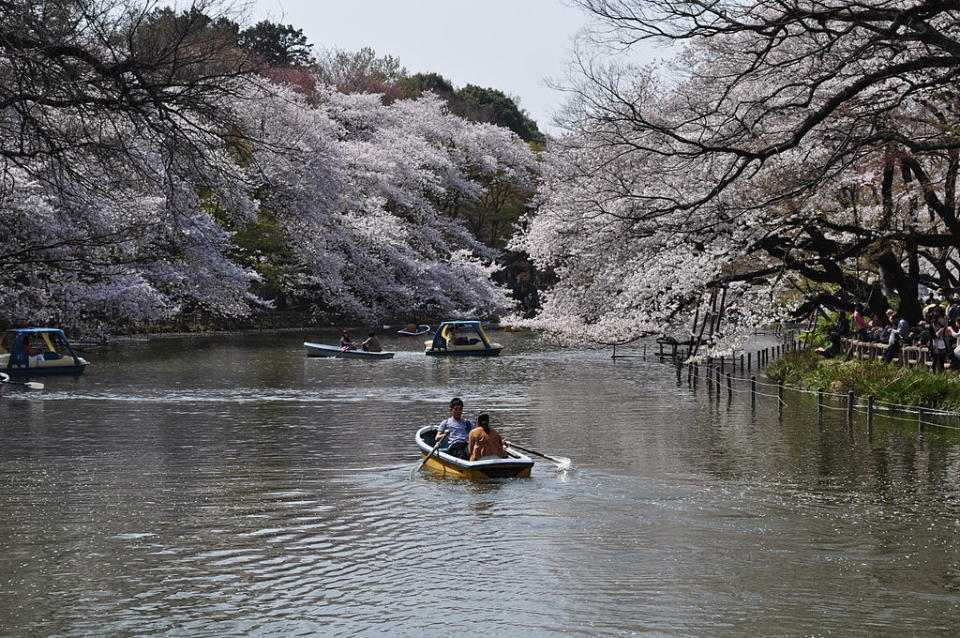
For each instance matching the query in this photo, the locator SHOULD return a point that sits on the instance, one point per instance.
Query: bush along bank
(887, 382)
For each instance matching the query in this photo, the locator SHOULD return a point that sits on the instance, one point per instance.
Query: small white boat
(422, 329)
(321, 350)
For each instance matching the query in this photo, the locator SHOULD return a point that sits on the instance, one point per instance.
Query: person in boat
(345, 342)
(32, 352)
(456, 430)
(452, 336)
(371, 343)
(484, 440)
(412, 327)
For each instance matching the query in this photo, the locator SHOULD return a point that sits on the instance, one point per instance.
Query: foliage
(362, 71)
(277, 44)
(490, 105)
(887, 382)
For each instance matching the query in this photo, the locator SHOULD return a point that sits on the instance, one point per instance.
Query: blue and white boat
(462, 339)
(38, 351)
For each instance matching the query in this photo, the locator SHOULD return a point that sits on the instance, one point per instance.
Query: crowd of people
(938, 332)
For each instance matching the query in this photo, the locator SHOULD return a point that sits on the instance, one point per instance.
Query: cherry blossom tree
(796, 152)
(138, 149)
(358, 186)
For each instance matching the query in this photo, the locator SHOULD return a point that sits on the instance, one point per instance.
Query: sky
(514, 46)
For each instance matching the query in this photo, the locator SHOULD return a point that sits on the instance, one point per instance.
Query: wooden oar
(32, 385)
(435, 448)
(560, 461)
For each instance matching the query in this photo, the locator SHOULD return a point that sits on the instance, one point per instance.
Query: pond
(227, 485)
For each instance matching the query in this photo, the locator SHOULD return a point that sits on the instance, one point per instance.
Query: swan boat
(516, 465)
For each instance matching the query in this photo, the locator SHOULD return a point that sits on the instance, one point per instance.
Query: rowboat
(516, 465)
(461, 339)
(321, 350)
(422, 329)
(38, 351)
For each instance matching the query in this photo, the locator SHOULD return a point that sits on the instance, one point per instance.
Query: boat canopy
(469, 331)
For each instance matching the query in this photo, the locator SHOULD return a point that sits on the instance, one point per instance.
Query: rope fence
(717, 378)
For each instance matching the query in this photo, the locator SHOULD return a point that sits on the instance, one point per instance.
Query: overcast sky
(510, 45)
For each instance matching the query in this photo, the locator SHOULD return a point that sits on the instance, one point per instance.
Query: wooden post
(753, 390)
(870, 414)
(729, 387)
(780, 397)
(749, 360)
(721, 363)
(920, 415)
(819, 400)
(850, 403)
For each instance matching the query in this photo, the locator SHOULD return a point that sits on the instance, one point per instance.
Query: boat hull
(516, 465)
(485, 352)
(33, 371)
(322, 350)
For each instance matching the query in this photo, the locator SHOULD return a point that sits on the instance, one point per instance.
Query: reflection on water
(228, 485)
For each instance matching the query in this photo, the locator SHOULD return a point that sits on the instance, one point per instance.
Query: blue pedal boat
(461, 339)
(30, 351)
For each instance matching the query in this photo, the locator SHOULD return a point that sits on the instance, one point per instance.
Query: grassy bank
(886, 382)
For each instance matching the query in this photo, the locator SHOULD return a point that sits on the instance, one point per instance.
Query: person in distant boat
(412, 327)
(345, 343)
(484, 440)
(456, 429)
(32, 353)
(452, 335)
(371, 343)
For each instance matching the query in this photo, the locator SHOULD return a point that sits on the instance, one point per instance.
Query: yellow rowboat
(516, 465)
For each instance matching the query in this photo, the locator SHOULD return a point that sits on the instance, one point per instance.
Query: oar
(32, 385)
(435, 448)
(562, 462)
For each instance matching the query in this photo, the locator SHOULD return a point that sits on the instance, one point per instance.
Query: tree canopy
(149, 167)
(797, 153)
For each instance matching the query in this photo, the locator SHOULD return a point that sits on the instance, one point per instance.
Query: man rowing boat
(456, 429)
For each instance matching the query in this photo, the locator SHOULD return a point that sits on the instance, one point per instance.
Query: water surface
(229, 486)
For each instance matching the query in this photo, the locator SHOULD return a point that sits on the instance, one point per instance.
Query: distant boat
(461, 339)
(422, 329)
(321, 350)
(38, 351)
(515, 465)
